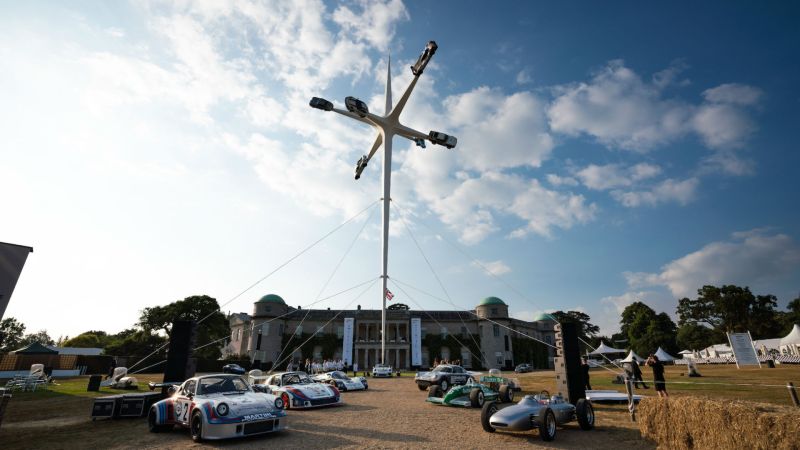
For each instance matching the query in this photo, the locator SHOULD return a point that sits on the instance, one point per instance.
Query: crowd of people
(315, 366)
(436, 362)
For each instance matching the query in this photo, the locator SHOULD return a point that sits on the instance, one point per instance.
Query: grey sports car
(541, 412)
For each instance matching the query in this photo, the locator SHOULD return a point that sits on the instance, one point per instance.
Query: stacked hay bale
(701, 423)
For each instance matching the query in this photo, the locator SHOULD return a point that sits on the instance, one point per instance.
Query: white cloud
(615, 175)
(376, 24)
(494, 267)
(669, 190)
(734, 94)
(524, 77)
(723, 125)
(745, 259)
(556, 180)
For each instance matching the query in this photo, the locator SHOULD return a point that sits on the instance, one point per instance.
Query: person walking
(637, 375)
(658, 375)
(585, 371)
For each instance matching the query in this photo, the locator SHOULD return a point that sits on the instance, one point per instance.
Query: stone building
(485, 341)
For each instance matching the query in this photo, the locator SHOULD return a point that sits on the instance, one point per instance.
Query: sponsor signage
(416, 341)
(347, 340)
(743, 349)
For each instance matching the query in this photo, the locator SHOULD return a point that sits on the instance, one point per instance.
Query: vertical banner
(12, 258)
(347, 340)
(416, 341)
(743, 349)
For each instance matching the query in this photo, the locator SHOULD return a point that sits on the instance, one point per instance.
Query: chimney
(359, 307)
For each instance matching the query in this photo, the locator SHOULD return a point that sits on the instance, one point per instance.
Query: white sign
(416, 341)
(743, 349)
(347, 340)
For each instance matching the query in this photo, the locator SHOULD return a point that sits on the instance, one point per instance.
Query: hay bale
(704, 423)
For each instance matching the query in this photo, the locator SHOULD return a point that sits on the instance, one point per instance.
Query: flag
(389, 295)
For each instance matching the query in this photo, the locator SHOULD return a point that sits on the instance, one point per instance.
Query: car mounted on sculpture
(361, 165)
(342, 381)
(299, 391)
(440, 138)
(233, 368)
(381, 370)
(444, 376)
(218, 407)
(424, 58)
(540, 411)
(320, 103)
(489, 388)
(356, 106)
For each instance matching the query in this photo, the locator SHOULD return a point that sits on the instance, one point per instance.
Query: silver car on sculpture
(540, 411)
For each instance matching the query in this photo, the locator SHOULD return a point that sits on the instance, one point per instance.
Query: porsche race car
(298, 390)
(443, 375)
(540, 411)
(218, 407)
(342, 381)
(382, 370)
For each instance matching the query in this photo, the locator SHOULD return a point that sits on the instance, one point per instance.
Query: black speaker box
(94, 383)
(106, 407)
(182, 337)
(137, 405)
(572, 362)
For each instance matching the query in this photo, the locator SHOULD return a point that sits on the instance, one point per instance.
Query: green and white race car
(489, 388)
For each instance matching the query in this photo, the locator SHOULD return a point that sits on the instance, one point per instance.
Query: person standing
(585, 371)
(637, 375)
(658, 375)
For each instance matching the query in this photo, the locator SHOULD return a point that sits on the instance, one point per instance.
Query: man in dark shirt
(585, 371)
(658, 375)
(637, 375)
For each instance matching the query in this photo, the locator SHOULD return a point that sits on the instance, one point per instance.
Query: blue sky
(607, 153)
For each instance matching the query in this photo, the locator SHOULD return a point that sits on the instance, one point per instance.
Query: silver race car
(299, 391)
(541, 412)
(342, 381)
(218, 407)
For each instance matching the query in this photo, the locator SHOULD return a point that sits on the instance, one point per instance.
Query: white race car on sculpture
(218, 407)
(299, 391)
(342, 381)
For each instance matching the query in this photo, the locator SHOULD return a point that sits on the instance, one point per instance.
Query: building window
(299, 330)
(233, 335)
(265, 329)
(496, 329)
(267, 308)
(506, 339)
(494, 311)
(339, 332)
(423, 332)
(548, 339)
(280, 329)
(444, 332)
(464, 331)
(258, 342)
(320, 330)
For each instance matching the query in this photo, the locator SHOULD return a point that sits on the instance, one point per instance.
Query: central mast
(387, 184)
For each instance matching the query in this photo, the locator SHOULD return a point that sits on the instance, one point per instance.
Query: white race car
(218, 407)
(342, 381)
(299, 391)
(382, 370)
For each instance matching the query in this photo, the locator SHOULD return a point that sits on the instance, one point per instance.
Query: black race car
(443, 375)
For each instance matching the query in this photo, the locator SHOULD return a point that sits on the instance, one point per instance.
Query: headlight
(222, 409)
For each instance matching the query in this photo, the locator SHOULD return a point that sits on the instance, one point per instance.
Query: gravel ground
(391, 414)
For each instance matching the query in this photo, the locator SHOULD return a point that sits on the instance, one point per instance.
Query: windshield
(339, 376)
(296, 378)
(221, 385)
(445, 369)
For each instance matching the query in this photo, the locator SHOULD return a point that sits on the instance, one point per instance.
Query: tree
(11, 332)
(731, 309)
(41, 337)
(586, 330)
(89, 339)
(694, 336)
(646, 330)
(791, 317)
(136, 344)
(199, 307)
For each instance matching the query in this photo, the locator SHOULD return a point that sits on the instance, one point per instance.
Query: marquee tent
(663, 356)
(631, 356)
(791, 342)
(35, 348)
(603, 349)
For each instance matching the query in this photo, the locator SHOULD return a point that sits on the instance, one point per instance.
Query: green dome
(491, 301)
(271, 298)
(543, 316)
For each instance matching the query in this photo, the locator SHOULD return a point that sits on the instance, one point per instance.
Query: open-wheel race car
(489, 388)
(217, 407)
(342, 381)
(541, 412)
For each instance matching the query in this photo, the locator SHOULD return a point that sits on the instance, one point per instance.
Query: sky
(607, 153)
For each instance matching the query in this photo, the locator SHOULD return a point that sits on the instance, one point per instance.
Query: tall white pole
(387, 183)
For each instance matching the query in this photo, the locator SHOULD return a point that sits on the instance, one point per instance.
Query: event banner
(743, 349)
(416, 341)
(12, 259)
(347, 340)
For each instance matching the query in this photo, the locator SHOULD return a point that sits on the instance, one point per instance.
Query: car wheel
(585, 412)
(486, 413)
(477, 398)
(435, 391)
(151, 422)
(470, 380)
(444, 385)
(366, 386)
(505, 394)
(196, 426)
(547, 424)
(422, 387)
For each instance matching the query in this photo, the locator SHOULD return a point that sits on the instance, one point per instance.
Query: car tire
(477, 398)
(422, 387)
(151, 422)
(435, 391)
(196, 426)
(585, 412)
(489, 408)
(547, 424)
(444, 385)
(506, 394)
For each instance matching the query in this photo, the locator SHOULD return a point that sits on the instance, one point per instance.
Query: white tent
(663, 356)
(791, 342)
(603, 349)
(631, 356)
